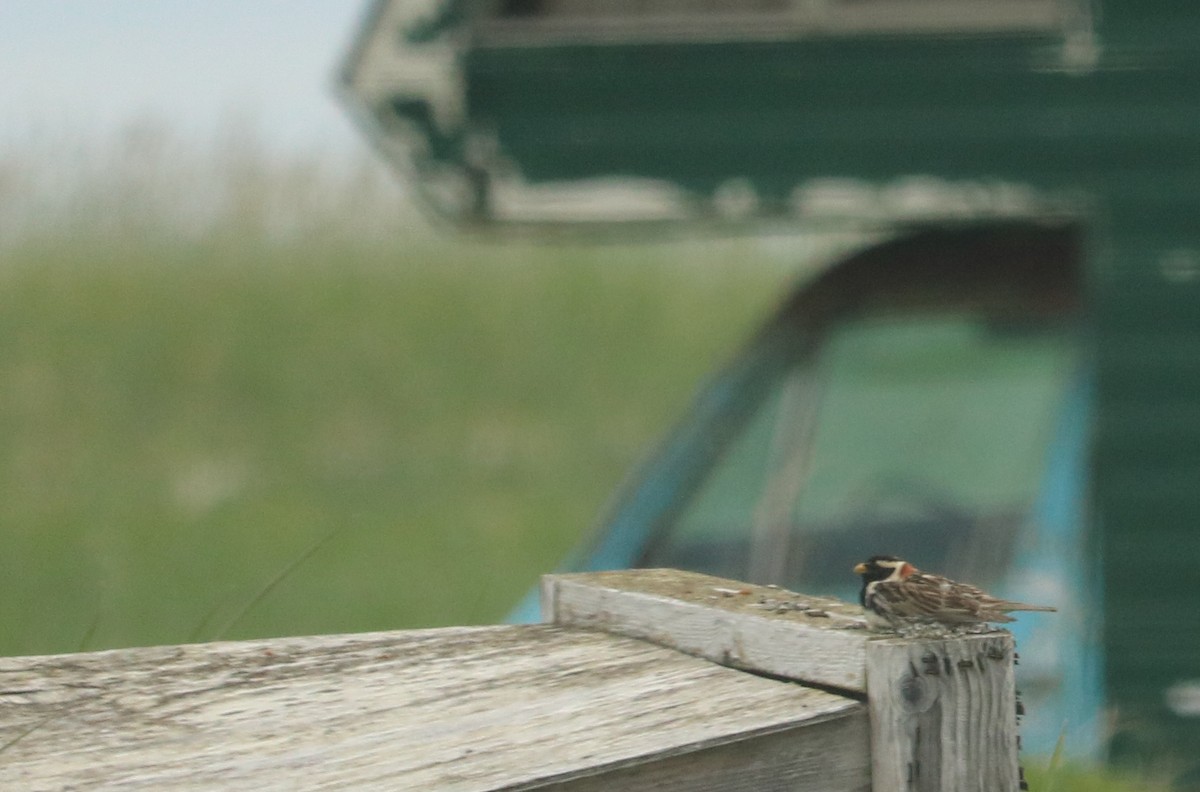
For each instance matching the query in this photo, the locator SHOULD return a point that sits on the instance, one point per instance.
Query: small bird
(895, 593)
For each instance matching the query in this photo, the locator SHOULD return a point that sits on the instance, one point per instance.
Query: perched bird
(895, 593)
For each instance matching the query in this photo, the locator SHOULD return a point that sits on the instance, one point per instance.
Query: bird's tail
(1022, 606)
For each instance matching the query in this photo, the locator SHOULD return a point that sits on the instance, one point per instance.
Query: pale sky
(94, 65)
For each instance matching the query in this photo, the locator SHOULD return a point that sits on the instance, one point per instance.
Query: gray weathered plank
(828, 756)
(758, 628)
(458, 709)
(943, 713)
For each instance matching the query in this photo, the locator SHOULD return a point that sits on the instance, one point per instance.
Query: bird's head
(884, 567)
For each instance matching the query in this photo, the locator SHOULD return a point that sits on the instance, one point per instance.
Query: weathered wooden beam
(817, 640)
(460, 710)
(943, 708)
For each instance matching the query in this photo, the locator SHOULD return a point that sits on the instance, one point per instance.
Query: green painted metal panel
(779, 113)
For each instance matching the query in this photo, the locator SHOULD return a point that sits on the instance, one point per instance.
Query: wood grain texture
(767, 630)
(486, 708)
(943, 714)
(830, 756)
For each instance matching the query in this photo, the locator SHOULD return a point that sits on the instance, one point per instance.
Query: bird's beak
(860, 569)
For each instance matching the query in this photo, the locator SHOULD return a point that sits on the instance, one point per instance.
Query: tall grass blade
(271, 584)
(30, 730)
(197, 633)
(1052, 771)
(89, 634)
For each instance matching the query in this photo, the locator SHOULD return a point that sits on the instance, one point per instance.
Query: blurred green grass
(1085, 779)
(180, 418)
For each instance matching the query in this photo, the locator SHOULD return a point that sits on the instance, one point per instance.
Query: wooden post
(943, 713)
(942, 710)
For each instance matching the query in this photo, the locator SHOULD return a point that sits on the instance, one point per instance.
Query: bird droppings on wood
(728, 592)
(732, 594)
